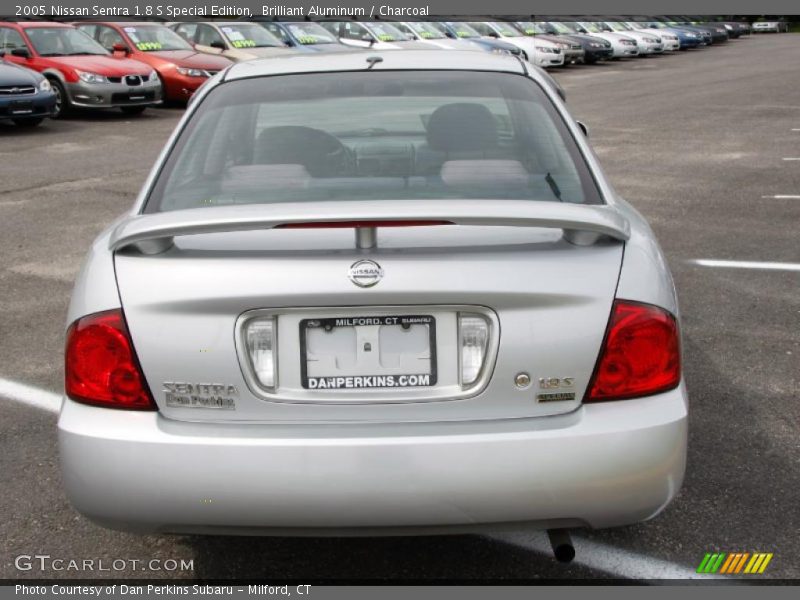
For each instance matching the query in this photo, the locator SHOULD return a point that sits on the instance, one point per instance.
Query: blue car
(305, 36)
(688, 38)
(26, 97)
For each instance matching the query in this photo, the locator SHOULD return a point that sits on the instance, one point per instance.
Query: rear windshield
(369, 135)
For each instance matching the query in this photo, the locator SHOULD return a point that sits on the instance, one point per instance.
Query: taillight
(641, 354)
(101, 366)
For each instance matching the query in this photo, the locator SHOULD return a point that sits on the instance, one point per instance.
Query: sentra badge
(200, 395)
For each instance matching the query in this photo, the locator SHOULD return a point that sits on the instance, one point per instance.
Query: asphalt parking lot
(698, 141)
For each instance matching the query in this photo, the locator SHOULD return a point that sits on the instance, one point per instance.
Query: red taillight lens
(641, 354)
(101, 366)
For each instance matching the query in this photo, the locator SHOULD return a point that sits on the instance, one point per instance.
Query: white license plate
(370, 352)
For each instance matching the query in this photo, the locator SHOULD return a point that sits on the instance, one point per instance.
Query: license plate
(21, 108)
(371, 352)
(135, 98)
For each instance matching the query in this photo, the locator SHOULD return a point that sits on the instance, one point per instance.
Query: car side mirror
(494, 34)
(583, 127)
(218, 45)
(120, 48)
(20, 52)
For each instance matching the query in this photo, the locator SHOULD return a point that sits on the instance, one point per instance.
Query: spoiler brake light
(357, 224)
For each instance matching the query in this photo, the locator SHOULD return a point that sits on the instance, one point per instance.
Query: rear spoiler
(582, 224)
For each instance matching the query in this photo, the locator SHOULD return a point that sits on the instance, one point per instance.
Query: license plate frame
(350, 383)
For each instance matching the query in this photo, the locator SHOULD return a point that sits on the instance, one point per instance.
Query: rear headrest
(462, 127)
(320, 153)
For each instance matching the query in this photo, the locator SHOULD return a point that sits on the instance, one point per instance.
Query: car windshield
(426, 31)
(619, 26)
(591, 27)
(393, 135)
(311, 34)
(506, 29)
(464, 30)
(62, 41)
(246, 35)
(561, 27)
(386, 33)
(530, 28)
(155, 38)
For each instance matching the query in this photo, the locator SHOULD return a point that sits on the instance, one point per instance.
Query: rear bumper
(603, 465)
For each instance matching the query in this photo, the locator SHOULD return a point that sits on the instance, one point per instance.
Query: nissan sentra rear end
(375, 292)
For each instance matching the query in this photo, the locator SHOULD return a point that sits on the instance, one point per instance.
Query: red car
(81, 72)
(181, 69)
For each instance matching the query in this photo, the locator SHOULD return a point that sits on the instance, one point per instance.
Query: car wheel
(62, 107)
(28, 122)
(133, 110)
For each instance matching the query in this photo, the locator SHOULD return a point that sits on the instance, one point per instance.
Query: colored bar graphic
(728, 565)
(764, 564)
(734, 563)
(704, 563)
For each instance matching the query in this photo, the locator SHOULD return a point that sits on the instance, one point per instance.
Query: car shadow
(398, 559)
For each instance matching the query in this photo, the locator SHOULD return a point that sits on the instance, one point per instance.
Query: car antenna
(373, 60)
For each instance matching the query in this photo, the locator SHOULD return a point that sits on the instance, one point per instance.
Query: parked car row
(49, 69)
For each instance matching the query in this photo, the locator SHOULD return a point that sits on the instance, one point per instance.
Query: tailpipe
(561, 543)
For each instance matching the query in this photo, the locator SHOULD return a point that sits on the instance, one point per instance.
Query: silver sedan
(374, 292)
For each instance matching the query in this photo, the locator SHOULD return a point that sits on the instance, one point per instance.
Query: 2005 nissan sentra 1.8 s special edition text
(374, 293)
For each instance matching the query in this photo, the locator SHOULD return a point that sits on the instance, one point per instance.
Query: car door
(355, 34)
(108, 36)
(280, 33)
(10, 40)
(187, 31)
(207, 35)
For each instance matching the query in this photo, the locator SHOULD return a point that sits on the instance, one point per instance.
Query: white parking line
(32, 396)
(615, 561)
(743, 264)
(792, 158)
(783, 197)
